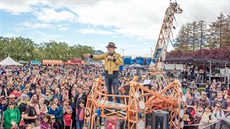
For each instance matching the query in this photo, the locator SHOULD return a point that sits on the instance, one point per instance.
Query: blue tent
(148, 61)
(140, 60)
(127, 60)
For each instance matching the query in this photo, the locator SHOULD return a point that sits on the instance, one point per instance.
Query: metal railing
(216, 125)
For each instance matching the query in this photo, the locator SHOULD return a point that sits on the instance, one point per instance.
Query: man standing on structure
(112, 61)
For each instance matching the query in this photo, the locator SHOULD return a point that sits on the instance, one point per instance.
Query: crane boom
(164, 37)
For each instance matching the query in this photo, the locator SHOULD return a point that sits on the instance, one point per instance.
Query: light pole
(122, 51)
(151, 50)
(225, 72)
(210, 71)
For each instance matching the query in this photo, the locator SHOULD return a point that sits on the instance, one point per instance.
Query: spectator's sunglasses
(218, 106)
(53, 118)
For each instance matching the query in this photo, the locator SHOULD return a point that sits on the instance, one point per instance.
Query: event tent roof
(196, 60)
(9, 61)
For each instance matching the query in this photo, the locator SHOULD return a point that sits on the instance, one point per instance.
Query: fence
(221, 124)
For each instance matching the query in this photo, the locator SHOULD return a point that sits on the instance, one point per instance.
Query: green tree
(202, 34)
(183, 40)
(18, 48)
(217, 32)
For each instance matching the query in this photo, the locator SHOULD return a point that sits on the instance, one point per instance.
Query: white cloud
(129, 18)
(95, 31)
(11, 35)
(51, 15)
(40, 37)
(36, 25)
(17, 6)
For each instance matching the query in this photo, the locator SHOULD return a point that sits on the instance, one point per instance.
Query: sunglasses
(53, 118)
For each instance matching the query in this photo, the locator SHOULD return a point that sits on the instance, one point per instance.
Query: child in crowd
(68, 118)
(80, 113)
(45, 121)
(198, 113)
(28, 126)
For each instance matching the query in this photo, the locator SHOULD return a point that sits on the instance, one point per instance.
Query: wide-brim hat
(11, 96)
(111, 44)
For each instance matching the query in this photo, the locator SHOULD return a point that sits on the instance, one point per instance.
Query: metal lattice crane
(164, 37)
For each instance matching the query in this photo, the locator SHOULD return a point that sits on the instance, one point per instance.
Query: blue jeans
(79, 124)
(111, 80)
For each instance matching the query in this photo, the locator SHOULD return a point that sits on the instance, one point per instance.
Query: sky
(134, 25)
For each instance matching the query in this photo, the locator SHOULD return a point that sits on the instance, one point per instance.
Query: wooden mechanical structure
(141, 100)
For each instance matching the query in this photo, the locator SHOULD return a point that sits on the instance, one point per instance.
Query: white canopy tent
(9, 61)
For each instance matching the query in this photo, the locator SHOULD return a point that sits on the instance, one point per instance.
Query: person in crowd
(80, 96)
(214, 83)
(66, 103)
(23, 104)
(219, 100)
(112, 62)
(187, 117)
(28, 126)
(192, 86)
(39, 92)
(53, 122)
(11, 116)
(196, 94)
(218, 112)
(11, 99)
(198, 113)
(208, 89)
(67, 118)
(31, 114)
(204, 99)
(184, 84)
(58, 94)
(53, 110)
(201, 76)
(59, 106)
(212, 94)
(80, 113)
(34, 97)
(16, 92)
(45, 120)
(191, 102)
(43, 108)
(219, 87)
(207, 118)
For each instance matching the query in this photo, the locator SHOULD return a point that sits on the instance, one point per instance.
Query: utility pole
(122, 51)
(151, 50)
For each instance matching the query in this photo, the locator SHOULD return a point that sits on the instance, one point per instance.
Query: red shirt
(67, 119)
(80, 114)
(16, 94)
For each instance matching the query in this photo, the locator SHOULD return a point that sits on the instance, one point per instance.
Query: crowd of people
(205, 107)
(54, 97)
(45, 96)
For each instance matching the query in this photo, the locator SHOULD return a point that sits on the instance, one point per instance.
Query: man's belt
(114, 72)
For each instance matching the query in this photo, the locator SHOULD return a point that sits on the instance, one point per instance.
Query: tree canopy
(25, 49)
(197, 35)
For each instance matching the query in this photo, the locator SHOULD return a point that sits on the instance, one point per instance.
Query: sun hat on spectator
(11, 96)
